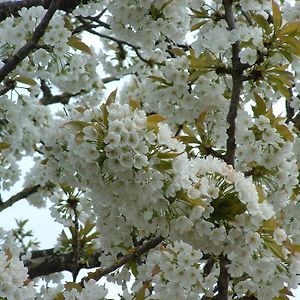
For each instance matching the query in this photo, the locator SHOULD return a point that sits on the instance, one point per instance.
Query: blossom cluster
(154, 160)
(13, 279)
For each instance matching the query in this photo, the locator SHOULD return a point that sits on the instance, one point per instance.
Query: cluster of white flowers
(130, 175)
(269, 150)
(146, 24)
(91, 291)
(127, 141)
(19, 137)
(174, 272)
(14, 283)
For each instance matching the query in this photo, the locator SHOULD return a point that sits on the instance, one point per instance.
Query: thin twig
(137, 252)
(8, 85)
(19, 196)
(23, 52)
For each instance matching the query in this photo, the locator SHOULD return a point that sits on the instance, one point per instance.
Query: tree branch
(237, 81)
(120, 42)
(64, 98)
(9, 8)
(137, 252)
(223, 279)
(48, 261)
(23, 52)
(19, 196)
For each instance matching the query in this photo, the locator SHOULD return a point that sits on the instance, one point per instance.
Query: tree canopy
(160, 152)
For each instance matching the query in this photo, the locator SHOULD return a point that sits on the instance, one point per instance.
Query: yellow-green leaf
(198, 25)
(140, 295)
(167, 155)
(260, 193)
(177, 51)
(187, 139)
(159, 79)
(277, 17)
(263, 23)
(76, 43)
(290, 29)
(199, 122)
(188, 130)
(268, 226)
(153, 120)
(25, 80)
(111, 98)
(286, 291)
(284, 131)
(261, 107)
(4, 145)
(68, 24)
(59, 296)
(73, 285)
(79, 137)
(274, 247)
(134, 104)
(75, 126)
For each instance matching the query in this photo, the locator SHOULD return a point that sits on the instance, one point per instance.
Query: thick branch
(64, 98)
(46, 262)
(137, 252)
(223, 280)
(19, 196)
(237, 81)
(23, 52)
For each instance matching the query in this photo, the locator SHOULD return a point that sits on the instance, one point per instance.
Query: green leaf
(111, 98)
(199, 122)
(187, 139)
(198, 25)
(286, 291)
(263, 23)
(134, 104)
(168, 155)
(68, 24)
(76, 43)
(88, 227)
(159, 79)
(292, 29)
(268, 226)
(73, 285)
(140, 295)
(277, 17)
(75, 126)
(188, 131)
(177, 51)
(153, 120)
(284, 131)
(293, 43)
(4, 145)
(59, 296)
(25, 80)
(68, 190)
(274, 247)
(261, 107)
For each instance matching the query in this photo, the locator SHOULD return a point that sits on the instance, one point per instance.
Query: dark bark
(46, 262)
(19, 196)
(23, 52)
